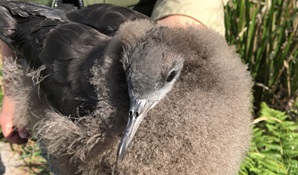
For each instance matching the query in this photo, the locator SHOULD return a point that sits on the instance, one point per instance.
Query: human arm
(208, 14)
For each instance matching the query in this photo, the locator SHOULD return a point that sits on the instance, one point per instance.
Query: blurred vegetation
(33, 161)
(42, 2)
(265, 35)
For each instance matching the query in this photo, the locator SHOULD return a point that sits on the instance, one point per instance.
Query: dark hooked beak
(137, 112)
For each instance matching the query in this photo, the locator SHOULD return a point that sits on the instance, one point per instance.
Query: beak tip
(121, 152)
(120, 157)
(138, 110)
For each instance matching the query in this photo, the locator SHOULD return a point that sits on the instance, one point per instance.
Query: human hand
(180, 21)
(11, 134)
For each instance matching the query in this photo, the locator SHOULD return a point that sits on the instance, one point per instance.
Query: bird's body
(85, 75)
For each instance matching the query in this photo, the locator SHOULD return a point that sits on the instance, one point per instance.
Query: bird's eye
(171, 76)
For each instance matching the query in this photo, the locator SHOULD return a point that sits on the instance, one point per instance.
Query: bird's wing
(69, 53)
(105, 18)
(12, 13)
(67, 49)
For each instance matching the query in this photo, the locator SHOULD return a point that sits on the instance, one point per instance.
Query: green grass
(266, 36)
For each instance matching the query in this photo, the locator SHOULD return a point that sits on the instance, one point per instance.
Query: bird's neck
(110, 82)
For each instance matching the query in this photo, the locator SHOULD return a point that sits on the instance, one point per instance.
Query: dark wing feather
(105, 18)
(69, 60)
(13, 13)
(68, 50)
(67, 47)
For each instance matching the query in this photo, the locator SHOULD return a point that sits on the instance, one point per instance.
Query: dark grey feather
(105, 18)
(67, 46)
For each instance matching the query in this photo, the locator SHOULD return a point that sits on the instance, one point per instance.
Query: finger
(6, 117)
(6, 122)
(7, 128)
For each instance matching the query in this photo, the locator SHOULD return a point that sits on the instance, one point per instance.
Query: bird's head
(152, 67)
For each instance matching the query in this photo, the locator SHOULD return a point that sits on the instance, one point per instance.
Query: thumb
(6, 121)
(6, 117)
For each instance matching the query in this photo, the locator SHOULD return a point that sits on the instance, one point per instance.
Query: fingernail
(23, 134)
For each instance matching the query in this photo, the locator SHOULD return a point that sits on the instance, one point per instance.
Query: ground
(10, 160)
